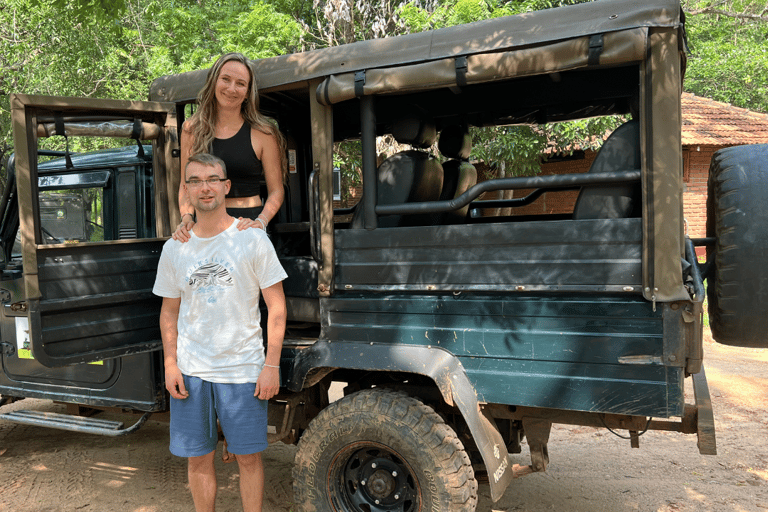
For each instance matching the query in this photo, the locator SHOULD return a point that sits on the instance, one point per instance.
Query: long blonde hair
(202, 124)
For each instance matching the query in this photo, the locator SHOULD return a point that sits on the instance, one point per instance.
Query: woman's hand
(245, 223)
(182, 230)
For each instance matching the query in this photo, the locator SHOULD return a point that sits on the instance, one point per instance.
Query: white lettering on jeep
(500, 470)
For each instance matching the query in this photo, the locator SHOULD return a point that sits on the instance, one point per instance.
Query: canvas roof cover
(648, 33)
(493, 35)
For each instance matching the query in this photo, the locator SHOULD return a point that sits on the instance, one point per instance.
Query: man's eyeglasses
(211, 181)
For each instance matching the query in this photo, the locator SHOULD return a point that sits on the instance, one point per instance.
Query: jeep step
(73, 423)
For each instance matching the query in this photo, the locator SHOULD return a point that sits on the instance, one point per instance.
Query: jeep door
(86, 298)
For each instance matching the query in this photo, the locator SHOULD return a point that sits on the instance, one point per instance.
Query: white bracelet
(271, 366)
(263, 225)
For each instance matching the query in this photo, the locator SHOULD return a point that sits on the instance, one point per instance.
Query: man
(215, 366)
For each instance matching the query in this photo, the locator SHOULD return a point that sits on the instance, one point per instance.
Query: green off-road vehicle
(460, 330)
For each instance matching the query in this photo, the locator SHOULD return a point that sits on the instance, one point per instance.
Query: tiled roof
(707, 121)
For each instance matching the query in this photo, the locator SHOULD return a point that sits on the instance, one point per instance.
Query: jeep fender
(442, 367)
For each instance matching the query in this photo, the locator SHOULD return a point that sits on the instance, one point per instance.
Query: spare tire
(737, 215)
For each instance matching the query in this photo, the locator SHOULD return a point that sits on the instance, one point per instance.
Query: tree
(729, 54)
(511, 150)
(108, 49)
(45, 50)
(114, 48)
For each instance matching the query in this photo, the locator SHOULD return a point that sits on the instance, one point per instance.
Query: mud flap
(705, 419)
(489, 442)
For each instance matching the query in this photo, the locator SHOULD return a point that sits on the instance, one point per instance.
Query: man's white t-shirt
(219, 280)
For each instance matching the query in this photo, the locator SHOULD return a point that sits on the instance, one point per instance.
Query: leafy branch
(717, 9)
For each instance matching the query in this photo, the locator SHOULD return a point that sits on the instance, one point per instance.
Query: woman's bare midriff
(242, 202)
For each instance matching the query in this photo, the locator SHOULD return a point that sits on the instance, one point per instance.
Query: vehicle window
(69, 216)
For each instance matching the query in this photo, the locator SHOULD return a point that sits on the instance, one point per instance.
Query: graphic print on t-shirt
(210, 275)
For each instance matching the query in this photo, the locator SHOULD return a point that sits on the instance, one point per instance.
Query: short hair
(208, 160)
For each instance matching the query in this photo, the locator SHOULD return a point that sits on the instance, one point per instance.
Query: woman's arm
(185, 207)
(266, 148)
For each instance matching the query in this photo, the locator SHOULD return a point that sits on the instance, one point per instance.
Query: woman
(229, 125)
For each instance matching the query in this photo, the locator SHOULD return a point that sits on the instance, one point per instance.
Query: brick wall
(696, 164)
(696, 161)
(550, 202)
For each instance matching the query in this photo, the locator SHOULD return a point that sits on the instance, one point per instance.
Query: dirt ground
(590, 470)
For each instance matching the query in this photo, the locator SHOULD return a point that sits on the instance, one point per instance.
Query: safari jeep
(459, 329)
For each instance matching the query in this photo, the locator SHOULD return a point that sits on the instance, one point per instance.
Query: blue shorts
(243, 419)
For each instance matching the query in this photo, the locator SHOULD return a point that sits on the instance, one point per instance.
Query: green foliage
(88, 12)
(729, 53)
(114, 49)
(336, 22)
(347, 158)
(261, 32)
(47, 50)
(455, 12)
(519, 149)
(516, 149)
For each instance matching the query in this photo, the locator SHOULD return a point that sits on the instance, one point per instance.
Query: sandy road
(591, 470)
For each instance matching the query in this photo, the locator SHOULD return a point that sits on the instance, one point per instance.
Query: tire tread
(449, 458)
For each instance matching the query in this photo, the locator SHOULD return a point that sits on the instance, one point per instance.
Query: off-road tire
(737, 215)
(409, 459)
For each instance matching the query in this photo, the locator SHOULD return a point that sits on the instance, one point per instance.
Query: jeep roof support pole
(25, 140)
(368, 143)
(322, 164)
(663, 237)
(167, 169)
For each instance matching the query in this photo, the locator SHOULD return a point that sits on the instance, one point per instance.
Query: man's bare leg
(202, 482)
(251, 481)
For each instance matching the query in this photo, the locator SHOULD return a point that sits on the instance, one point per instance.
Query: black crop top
(244, 168)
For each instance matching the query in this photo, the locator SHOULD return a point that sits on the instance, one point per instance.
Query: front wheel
(379, 450)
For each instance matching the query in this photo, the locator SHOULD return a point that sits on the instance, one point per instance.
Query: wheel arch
(442, 367)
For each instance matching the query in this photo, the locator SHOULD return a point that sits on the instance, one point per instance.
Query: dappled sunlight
(111, 475)
(122, 472)
(694, 495)
(762, 474)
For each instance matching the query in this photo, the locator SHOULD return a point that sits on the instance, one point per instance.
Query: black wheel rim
(370, 477)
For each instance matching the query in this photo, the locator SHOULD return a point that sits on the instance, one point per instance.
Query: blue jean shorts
(243, 419)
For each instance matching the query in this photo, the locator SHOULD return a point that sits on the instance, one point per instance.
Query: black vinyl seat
(408, 176)
(620, 152)
(458, 174)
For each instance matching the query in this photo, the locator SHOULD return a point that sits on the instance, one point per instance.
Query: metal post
(368, 142)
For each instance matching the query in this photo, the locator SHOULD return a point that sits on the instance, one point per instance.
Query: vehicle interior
(428, 193)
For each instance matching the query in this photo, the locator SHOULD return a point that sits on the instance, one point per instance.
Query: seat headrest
(416, 131)
(455, 142)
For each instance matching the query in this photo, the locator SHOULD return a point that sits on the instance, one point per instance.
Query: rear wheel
(737, 215)
(379, 450)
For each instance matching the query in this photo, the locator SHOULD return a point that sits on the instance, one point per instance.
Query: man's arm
(268, 383)
(169, 330)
